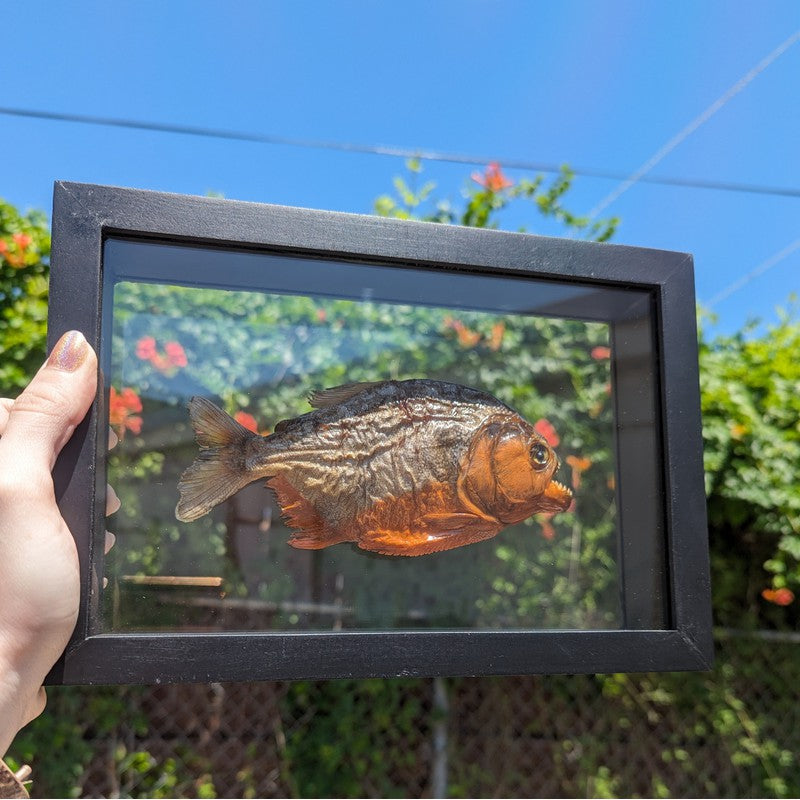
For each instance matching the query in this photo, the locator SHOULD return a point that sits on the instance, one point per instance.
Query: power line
(757, 272)
(737, 87)
(396, 152)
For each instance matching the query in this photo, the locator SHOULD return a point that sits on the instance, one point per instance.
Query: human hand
(40, 586)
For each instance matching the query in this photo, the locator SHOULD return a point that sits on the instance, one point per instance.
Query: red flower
(600, 352)
(493, 179)
(173, 357)
(781, 597)
(146, 348)
(161, 363)
(176, 355)
(22, 240)
(545, 429)
(122, 410)
(246, 421)
(3, 246)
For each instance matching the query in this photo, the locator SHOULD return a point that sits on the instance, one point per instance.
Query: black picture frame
(86, 216)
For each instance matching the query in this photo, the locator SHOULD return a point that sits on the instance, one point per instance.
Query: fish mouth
(557, 496)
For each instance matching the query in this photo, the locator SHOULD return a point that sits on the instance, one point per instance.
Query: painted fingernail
(112, 501)
(69, 352)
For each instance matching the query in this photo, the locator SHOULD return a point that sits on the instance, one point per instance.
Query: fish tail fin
(219, 470)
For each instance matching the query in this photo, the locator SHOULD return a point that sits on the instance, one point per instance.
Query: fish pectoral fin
(460, 524)
(435, 532)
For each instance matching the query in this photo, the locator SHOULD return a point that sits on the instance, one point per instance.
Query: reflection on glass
(259, 355)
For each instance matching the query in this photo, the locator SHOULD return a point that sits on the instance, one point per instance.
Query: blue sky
(601, 85)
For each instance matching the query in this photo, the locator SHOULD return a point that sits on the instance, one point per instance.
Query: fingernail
(105, 583)
(69, 352)
(112, 501)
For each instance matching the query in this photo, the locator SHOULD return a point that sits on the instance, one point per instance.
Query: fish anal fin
(311, 530)
(324, 398)
(299, 512)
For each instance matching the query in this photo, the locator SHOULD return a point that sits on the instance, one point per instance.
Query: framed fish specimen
(352, 446)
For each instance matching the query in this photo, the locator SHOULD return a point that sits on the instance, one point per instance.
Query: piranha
(401, 468)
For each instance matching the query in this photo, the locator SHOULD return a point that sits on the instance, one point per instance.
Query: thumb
(45, 415)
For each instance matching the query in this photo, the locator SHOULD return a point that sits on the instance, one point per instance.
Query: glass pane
(258, 333)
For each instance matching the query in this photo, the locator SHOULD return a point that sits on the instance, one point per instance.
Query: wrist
(24, 664)
(15, 697)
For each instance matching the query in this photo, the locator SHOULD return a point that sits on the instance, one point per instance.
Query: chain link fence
(732, 732)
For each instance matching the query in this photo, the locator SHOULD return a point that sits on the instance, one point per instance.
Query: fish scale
(380, 452)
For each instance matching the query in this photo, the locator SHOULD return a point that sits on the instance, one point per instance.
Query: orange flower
(146, 348)
(122, 410)
(466, 337)
(600, 352)
(176, 355)
(496, 339)
(579, 466)
(493, 179)
(246, 421)
(14, 255)
(545, 428)
(780, 597)
(548, 531)
(737, 430)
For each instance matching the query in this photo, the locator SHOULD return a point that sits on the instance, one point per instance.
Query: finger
(44, 416)
(36, 705)
(110, 539)
(113, 439)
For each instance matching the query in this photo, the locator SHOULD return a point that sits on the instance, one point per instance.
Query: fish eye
(539, 456)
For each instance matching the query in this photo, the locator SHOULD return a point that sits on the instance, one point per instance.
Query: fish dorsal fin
(325, 398)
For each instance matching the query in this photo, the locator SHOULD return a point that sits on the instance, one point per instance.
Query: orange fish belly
(429, 520)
